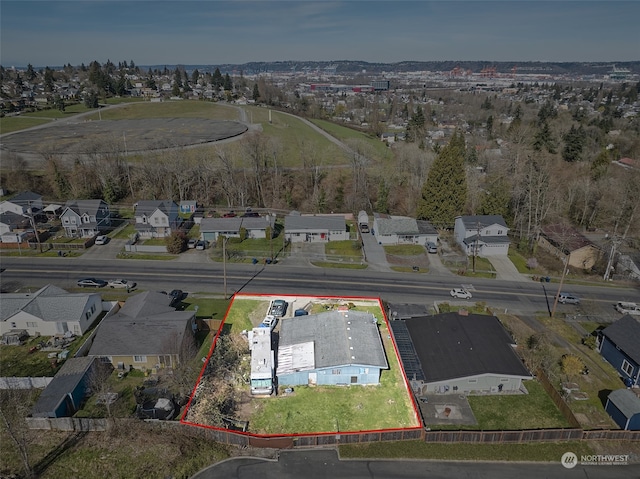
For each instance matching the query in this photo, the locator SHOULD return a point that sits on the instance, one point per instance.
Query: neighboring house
(64, 395)
(11, 222)
(482, 235)
(402, 230)
(569, 244)
(212, 228)
(157, 219)
(49, 311)
(455, 353)
(315, 228)
(332, 348)
(53, 211)
(22, 202)
(85, 218)
(619, 344)
(146, 333)
(623, 405)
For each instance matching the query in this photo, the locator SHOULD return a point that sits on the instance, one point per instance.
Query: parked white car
(269, 322)
(102, 239)
(460, 293)
(625, 307)
(121, 283)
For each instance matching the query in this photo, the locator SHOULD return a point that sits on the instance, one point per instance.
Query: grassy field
(536, 451)
(346, 249)
(513, 412)
(168, 109)
(380, 151)
(404, 249)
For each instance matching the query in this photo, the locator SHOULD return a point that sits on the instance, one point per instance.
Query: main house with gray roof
(49, 311)
(157, 219)
(482, 235)
(147, 332)
(23, 203)
(85, 218)
(212, 228)
(394, 230)
(315, 228)
(332, 348)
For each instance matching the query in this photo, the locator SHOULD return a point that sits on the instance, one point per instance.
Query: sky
(213, 32)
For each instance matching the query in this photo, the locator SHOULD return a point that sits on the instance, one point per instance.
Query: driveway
(374, 253)
(506, 270)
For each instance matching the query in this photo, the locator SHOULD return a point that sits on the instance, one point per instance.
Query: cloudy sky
(53, 33)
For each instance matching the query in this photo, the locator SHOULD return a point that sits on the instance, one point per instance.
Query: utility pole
(564, 272)
(475, 248)
(35, 230)
(224, 266)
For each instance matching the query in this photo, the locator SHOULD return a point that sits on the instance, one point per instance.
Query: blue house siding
(340, 375)
(616, 414)
(615, 357)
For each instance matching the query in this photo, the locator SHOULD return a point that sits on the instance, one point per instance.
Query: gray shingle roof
(626, 401)
(25, 198)
(234, 224)
(451, 346)
(145, 325)
(147, 207)
(389, 226)
(318, 222)
(49, 303)
(65, 381)
(625, 334)
(471, 222)
(340, 338)
(90, 207)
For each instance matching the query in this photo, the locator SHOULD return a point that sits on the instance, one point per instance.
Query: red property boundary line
(372, 433)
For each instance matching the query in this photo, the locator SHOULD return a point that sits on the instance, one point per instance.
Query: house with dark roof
(146, 333)
(11, 222)
(157, 219)
(567, 243)
(21, 203)
(458, 353)
(49, 311)
(482, 235)
(619, 344)
(212, 228)
(395, 230)
(66, 392)
(315, 228)
(623, 405)
(331, 348)
(85, 218)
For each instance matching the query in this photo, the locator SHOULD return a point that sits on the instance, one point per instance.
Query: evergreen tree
(574, 144)
(543, 139)
(216, 79)
(228, 86)
(31, 74)
(490, 127)
(195, 76)
(600, 165)
(48, 79)
(415, 127)
(256, 92)
(444, 193)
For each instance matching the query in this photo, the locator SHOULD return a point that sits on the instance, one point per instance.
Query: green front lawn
(404, 249)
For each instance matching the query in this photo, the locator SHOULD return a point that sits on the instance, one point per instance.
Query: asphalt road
(208, 277)
(322, 464)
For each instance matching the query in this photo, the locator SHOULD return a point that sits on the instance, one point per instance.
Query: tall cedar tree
(444, 194)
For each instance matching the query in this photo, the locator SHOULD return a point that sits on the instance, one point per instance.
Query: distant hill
(354, 66)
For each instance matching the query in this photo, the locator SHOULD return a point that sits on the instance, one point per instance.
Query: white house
(211, 228)
(156, 219)
(49, 311)
(22, 202)
(85, 218)
(482, 235)
(315, 228)
(402, 230)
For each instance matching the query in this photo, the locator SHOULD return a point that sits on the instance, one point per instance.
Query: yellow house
(147, 333)
(566, 242)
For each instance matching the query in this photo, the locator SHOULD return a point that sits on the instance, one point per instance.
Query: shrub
(176, 242)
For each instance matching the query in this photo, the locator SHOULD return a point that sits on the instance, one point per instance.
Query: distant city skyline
(209, 32)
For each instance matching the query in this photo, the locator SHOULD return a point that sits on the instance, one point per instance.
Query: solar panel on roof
(408, 356)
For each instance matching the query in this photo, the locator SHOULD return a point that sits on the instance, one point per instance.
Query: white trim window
(627, 367)
(139, 359)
